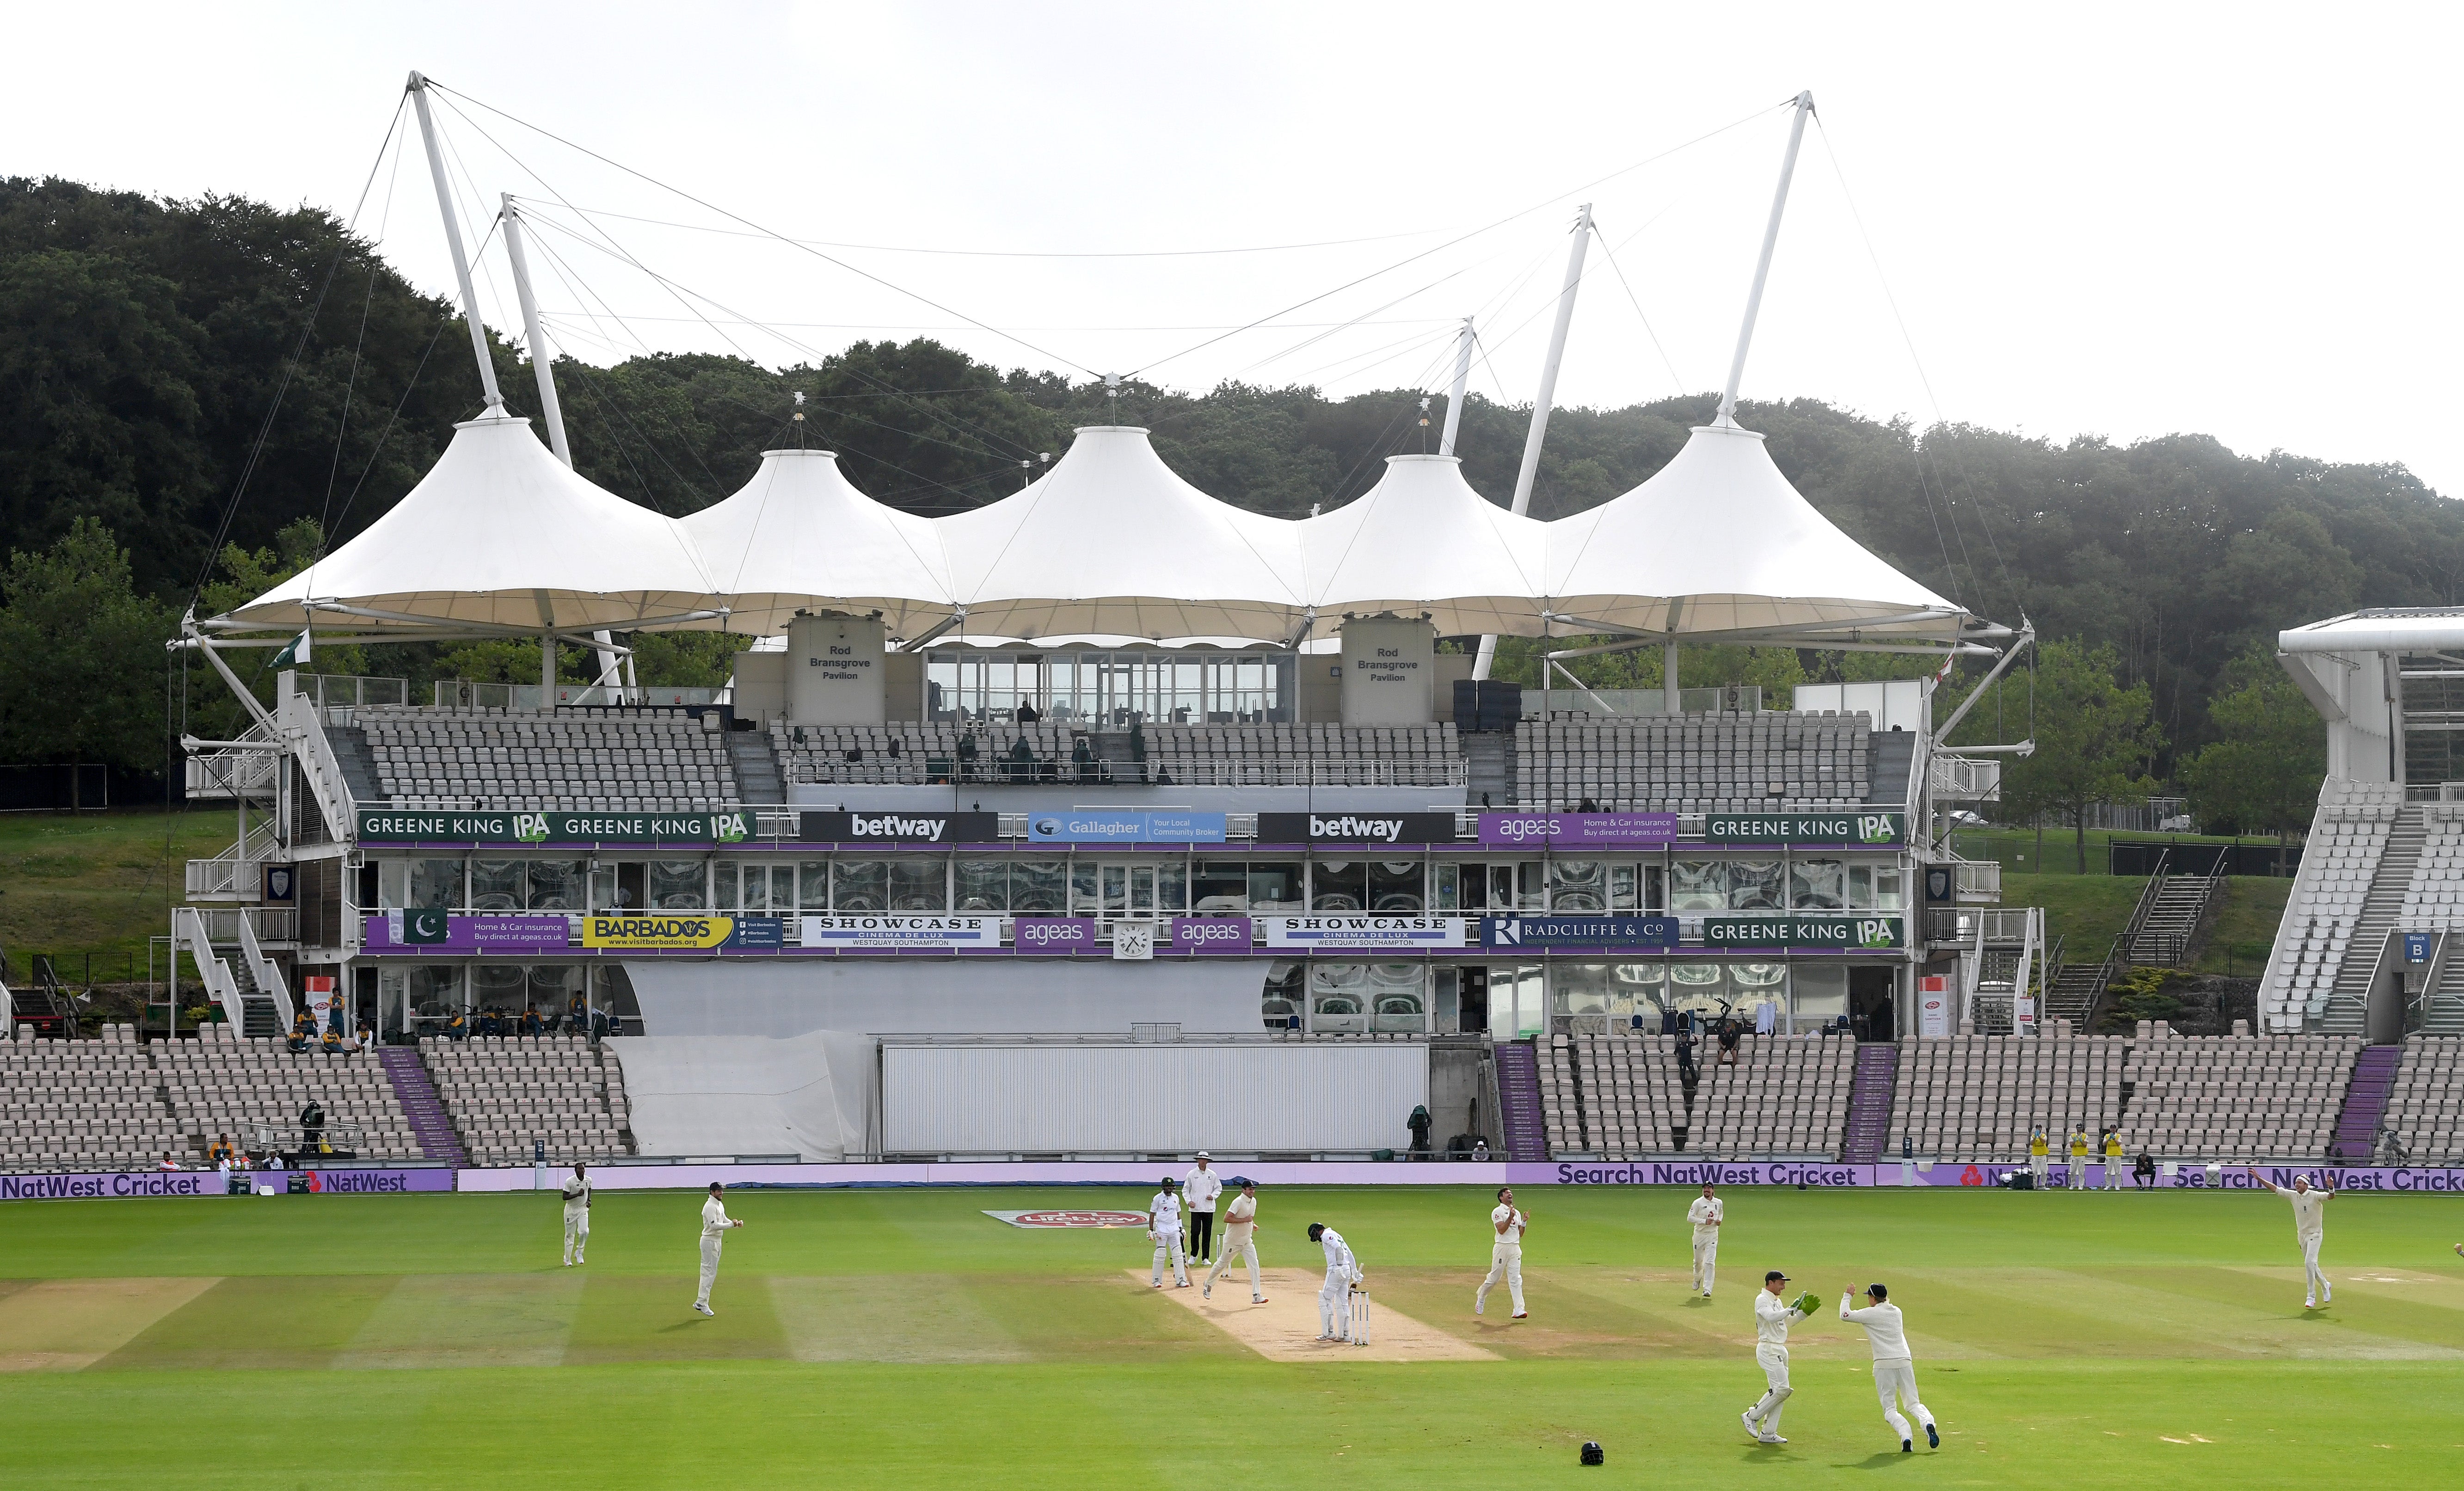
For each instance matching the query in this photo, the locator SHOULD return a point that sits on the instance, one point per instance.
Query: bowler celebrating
(1772, 1316)
(1504, 1253)
(715, 1226)
(1895, 1370)
(1707, 1212)
(2309, 1229)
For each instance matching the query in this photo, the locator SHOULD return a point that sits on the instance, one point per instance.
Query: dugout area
(2156, 1338)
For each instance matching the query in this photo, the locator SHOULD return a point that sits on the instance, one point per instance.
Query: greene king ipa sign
(1876, 829)
(395, 826)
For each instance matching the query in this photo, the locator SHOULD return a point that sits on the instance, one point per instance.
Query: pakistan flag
(425, 925)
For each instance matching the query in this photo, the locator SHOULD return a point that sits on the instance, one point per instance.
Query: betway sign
(901, 828)
(1355, 828)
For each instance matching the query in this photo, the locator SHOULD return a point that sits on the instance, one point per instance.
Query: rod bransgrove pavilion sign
(1878, 828)
(397, 826)
(1846, 929)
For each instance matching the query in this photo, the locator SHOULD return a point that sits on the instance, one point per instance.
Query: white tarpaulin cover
(803, 1095)
(1422, 540)
(1721, 539)
(1111, 540)
(798, 536)
(499, 531)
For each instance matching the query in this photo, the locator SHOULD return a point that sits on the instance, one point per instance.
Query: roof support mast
(543, 368)
(1455, 396)
(1762, 268)
(454, 241)
(1540, 408)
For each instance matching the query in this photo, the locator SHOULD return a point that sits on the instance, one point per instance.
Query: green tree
(2094, 738)
(2263, 774)
(84, 656)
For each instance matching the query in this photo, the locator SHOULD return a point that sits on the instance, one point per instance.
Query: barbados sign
(391, 826)
(691, 932)
(1879, 830)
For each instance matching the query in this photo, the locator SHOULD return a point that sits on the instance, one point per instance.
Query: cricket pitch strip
(1285, 1328)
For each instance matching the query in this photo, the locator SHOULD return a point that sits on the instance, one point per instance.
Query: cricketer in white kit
(2309, 1229)
(1772, 1316)
(577, 1215)
(1504, 1253)
(1200, 1189)
(1895, 1370)
(1707, 1212)
(1240, 1240)
(715, 1226)
(1342, 1272)
(1163, 1230)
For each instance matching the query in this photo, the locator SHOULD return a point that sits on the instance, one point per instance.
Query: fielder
(2079, 1159)
(1163, 1230)
(1240, 1239)
(2113, 1165)
(1200, 1189)
(1342, 1272)
(1707, 1212)
(1895, 1370)
(1772, 1316)
(1504, 1253)
(715, 1225)
(2038, 1163)
(2310, 1229)
(577, 1215)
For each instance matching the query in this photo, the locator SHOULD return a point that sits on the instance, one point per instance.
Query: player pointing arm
(2309, 1229)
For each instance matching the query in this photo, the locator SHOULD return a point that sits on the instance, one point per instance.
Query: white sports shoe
(2309, 1302)
(1753, 1430)
(1479, 1306)
(2329, 1297)
(703, 1309)
(1206, 1292)
(1772, 1438)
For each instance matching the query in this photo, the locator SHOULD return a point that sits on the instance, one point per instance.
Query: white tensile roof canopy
(799, 537)
(1111, 540)
(499, 533)
(1422, 539)
(1717, 546)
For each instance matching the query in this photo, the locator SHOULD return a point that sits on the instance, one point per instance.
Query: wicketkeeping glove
(1807, 1305)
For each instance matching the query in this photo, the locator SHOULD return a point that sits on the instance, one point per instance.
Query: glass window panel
(755, 884)
(1172, 887)
(1755, 885)
(1817, 885)
(1890, 888)
(1449, 882)
(435, 990)
(1039, 886)
(723, 887)
(859, 886)
(813, 884)
(1580, 989)
(436, 882)
(1084, 898)
(1396, 886)
(1112, 882)
(1818, 991)
(919, 882)
(1531, 886)
(1221, 887)
(1338, 997)
(1698, 885)
(982, 885)
(1338, 885)
(553, 986)
(497, 885)
(1397, 998)
(1623, 888)
(679, 884)
(393, 878)
(557, 884)
(1757, 975)
(498, 986)
(1275, 885)
(1285, 994)
(1577, 885)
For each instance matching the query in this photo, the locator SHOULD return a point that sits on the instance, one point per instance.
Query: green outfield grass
(903, 1338)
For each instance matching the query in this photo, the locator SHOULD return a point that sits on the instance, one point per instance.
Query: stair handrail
(303, 730)
(2147, 895)
(189, 934)
(267, 973)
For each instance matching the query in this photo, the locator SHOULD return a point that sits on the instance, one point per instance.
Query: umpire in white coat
(1200, 1189)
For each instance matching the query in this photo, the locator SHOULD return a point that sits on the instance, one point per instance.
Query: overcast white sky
(2127, 220)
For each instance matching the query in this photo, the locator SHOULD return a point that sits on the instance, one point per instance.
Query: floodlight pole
(1541, 406)
(1455, 396)
(1762, 268)
(552, 410)
(454, 241)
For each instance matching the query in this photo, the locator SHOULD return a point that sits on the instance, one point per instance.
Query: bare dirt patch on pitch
(64, 1324)
(1285, 1328)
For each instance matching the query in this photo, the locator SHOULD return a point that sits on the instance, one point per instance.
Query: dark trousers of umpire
(1201, 1237)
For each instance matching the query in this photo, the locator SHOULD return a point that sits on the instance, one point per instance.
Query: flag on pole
(295, 653)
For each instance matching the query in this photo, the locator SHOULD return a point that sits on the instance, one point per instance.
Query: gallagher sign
(1876, 829)
(387, 826)
(1805, 931)
(1355, 828)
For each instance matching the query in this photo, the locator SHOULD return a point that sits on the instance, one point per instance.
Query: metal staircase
(2164, 934)
(2349, 1002)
